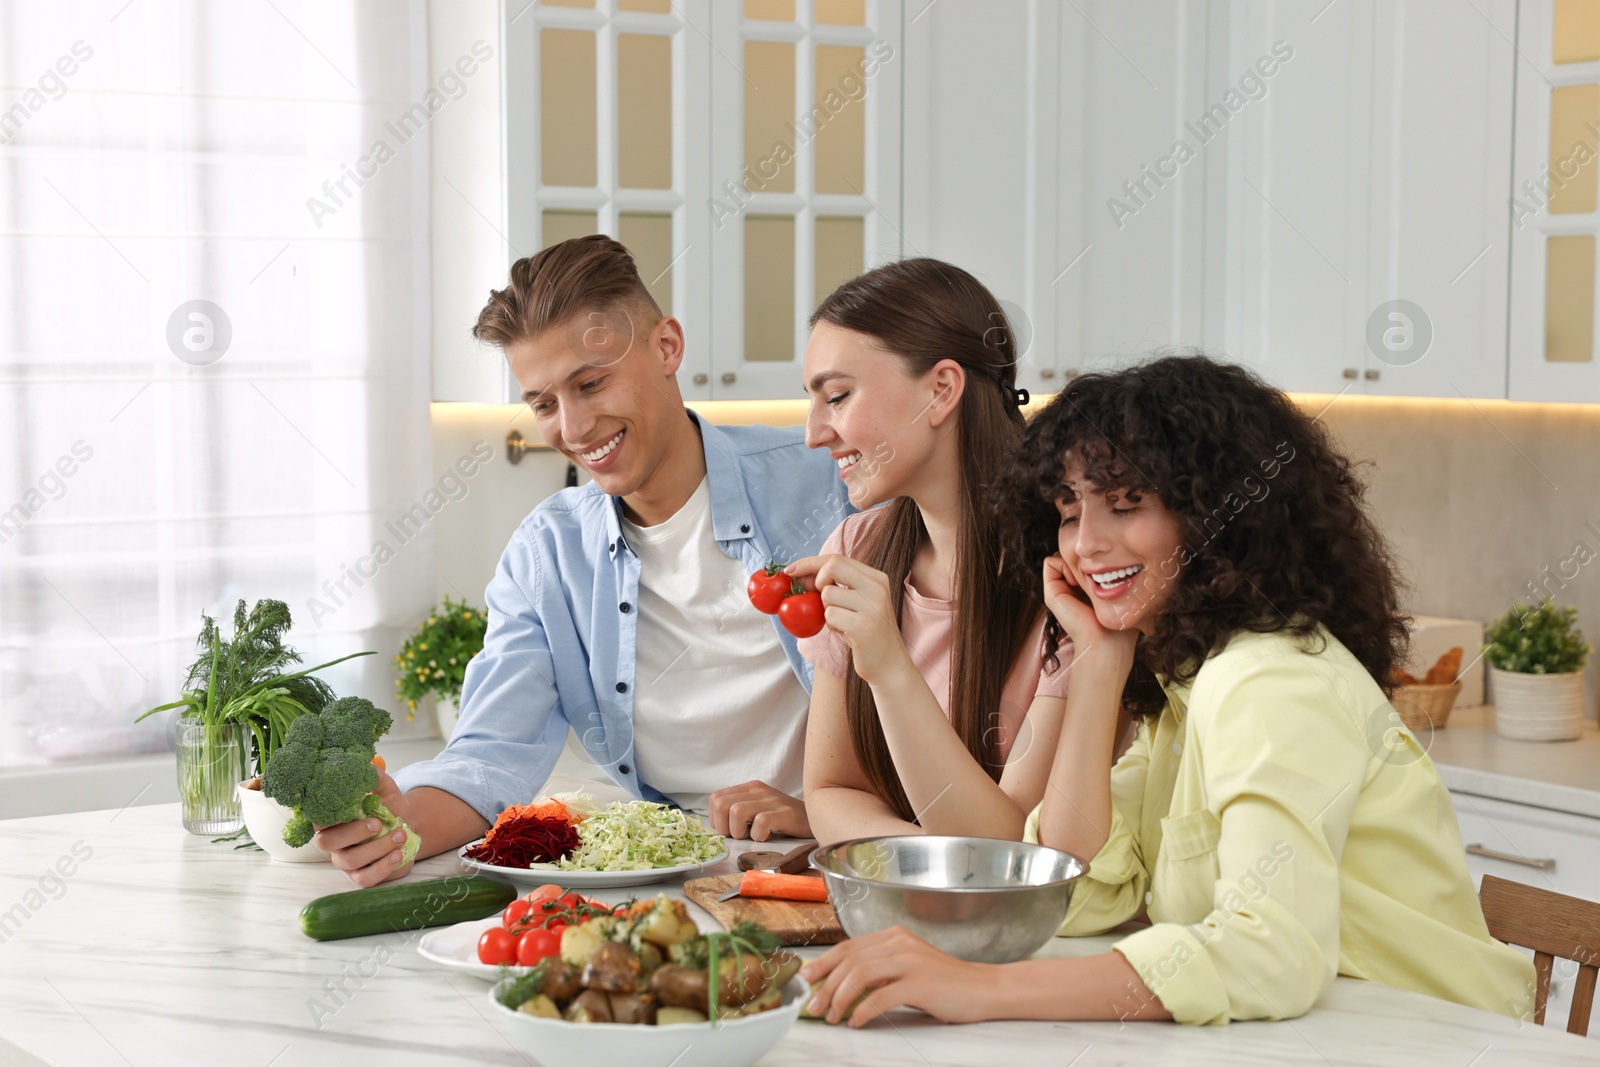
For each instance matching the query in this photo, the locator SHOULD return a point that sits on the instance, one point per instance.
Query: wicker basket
(1425, 707)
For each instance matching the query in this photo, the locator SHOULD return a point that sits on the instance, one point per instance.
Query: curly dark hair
(1276, 536)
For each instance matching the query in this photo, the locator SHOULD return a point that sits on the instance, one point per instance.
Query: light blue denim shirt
(563, 619)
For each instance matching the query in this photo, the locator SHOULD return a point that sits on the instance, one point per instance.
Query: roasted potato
(579, 942)
(612, 967)
(591, 1006)
(542, 1006)
(771, 997)
(650, 957)
(663, 922)
(781, 967)
(563, 982)
(676, 986)
(673, 1016)
(638, 1008)
(681, 987)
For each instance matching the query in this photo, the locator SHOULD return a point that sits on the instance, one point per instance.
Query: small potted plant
(239, 698)
(1536, 655)
(434, 660)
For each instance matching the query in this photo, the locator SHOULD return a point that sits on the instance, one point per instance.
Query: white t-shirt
(715, 701)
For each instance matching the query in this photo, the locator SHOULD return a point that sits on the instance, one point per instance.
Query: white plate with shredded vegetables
(635, 842)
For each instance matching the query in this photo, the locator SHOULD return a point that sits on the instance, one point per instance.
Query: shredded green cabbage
(638, 836)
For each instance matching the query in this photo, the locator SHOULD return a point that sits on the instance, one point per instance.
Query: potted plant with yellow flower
(434, 660)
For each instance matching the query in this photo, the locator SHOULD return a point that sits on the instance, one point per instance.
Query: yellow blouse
(1277, 825)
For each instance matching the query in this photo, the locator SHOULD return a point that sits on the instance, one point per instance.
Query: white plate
(456, 947)
(584, 879)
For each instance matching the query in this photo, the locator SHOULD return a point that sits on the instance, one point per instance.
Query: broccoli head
(323, 770)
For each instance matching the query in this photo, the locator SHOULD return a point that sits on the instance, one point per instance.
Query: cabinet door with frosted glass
(607, 131)
(804, 188)
(1553, 207)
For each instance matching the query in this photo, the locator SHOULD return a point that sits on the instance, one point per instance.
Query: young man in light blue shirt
(618, 609)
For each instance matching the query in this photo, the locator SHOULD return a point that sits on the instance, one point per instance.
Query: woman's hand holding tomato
(774, 592)
(856, 604)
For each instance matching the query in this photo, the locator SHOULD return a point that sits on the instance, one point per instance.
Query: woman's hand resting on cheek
(1071, 607)
(857, 605)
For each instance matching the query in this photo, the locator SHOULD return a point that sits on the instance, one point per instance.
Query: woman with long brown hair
(1206, 549)
(932, 708)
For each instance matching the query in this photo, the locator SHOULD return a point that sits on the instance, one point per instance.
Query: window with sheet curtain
(154, 154)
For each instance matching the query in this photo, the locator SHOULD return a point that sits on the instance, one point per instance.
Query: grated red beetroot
(520, 842)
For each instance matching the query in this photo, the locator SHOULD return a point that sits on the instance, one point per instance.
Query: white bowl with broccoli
(265, 819)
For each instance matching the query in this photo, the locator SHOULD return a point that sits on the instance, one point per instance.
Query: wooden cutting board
(796, 922)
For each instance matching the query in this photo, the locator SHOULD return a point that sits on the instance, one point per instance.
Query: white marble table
(163, 948)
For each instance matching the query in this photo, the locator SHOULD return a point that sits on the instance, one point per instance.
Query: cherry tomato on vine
(768, 588)
(515, 912)
(802, 614)
(536, 945)
(497, 946)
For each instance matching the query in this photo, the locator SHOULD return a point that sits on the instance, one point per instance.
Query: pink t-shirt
(925, 626)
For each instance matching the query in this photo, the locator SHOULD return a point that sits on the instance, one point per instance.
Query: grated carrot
(549, 809)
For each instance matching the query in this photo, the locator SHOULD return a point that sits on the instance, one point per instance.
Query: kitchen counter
(1559, 775)
(164, 948)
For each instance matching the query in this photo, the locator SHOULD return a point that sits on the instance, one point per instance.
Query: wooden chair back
(1555, 926)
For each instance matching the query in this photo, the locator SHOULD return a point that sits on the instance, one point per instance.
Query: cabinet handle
(1047, 374)
(1508, 857)
(1371, 375)
(1350, 373)
(701, 379)
(729, 378)
(1073, 373)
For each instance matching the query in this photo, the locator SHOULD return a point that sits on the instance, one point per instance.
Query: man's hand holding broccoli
(324, 771)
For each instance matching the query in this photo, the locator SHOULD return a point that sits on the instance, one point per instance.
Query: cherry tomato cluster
(531, 926)
(775, 593)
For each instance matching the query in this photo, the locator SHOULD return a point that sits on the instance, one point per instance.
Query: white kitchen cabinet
(1552, 850)
(1023, 123)
(978, 119)
(1440, 136)
(1129, 272)
(1333, 158)
(1293, 167)
(1374, 169)
(1553, 216)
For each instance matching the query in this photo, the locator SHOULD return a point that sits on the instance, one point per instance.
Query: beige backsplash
(1479, 498)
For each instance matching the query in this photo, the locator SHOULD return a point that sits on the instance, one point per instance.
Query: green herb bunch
(434, 659)
(1537, 639)
(247, 679)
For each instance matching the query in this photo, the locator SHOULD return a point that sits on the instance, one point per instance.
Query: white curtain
(154, 153)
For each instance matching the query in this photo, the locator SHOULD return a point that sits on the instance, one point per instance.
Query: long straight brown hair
(923, 311)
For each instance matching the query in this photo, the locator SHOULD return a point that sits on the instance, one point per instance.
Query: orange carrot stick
(782, 886)
(378, 762)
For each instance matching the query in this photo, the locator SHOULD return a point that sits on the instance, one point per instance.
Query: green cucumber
(405, 906)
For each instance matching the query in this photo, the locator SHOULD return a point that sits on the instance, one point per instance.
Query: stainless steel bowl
(976, 898)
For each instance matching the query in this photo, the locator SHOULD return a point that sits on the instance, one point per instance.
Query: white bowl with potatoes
(647, 989)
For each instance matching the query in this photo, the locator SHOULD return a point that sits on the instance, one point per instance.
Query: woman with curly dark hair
(1206, 549)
